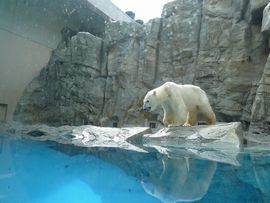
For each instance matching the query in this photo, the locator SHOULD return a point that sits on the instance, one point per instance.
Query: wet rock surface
(217, 139)
(220, 143)
(230, 133)
(79, 136)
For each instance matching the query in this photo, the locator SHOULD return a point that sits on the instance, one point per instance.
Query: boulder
(224, 140)
(221, 135)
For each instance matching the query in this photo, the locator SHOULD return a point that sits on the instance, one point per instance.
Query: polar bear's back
(192, 95)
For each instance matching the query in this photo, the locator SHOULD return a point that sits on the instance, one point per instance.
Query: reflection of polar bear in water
(182, 179)
(181, 104)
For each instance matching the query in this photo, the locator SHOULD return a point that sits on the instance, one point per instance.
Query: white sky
(143, 9)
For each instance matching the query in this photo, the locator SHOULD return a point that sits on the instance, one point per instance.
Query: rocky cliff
(221, 46)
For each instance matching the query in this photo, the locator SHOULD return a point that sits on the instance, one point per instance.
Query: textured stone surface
(226, 138)
(219, 143)
(258, 4)
(124, 73)
(260, 118)
(217, 135)
(255, 10)
(217, 45)
(266, 20)
(87, 136)
(70, 89)
(179, 41)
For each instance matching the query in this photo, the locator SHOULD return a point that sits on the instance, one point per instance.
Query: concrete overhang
(42, 20)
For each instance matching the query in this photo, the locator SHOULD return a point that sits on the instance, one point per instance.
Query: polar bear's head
(150, 102)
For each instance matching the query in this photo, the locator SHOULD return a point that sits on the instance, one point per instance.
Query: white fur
(180, 103)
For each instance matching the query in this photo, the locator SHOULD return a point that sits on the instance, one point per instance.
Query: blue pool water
(31, 172)
(34, 172)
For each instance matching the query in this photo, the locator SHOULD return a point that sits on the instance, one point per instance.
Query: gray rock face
(260, 118)
(252, 10)
(227, 64)
(217, 45)
(258, 4)
(266, 20)
(179, 41)
(71, 88)
(124, 73)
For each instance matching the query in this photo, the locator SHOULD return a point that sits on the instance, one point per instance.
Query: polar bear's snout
(147, 109)
(146, 106)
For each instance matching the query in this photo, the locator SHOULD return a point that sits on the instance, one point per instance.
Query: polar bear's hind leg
(209, 114)
(211, 119)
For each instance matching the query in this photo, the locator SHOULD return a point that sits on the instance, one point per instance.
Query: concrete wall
(36, 22)
(20, 61)
(111, 10)
(27, 38)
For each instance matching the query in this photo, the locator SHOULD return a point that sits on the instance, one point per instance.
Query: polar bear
(181, 104)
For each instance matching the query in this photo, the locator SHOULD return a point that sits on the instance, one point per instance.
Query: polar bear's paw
(187, 124)
(175, 125)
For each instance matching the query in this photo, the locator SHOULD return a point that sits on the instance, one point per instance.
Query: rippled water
(34, 172)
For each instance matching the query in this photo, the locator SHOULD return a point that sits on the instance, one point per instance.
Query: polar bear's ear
(154, 93)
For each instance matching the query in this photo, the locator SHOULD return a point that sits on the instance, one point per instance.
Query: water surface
(34, 172)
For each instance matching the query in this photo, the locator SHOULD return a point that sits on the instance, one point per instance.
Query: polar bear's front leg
(170, 121)
(165, 123)
(191, 119)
